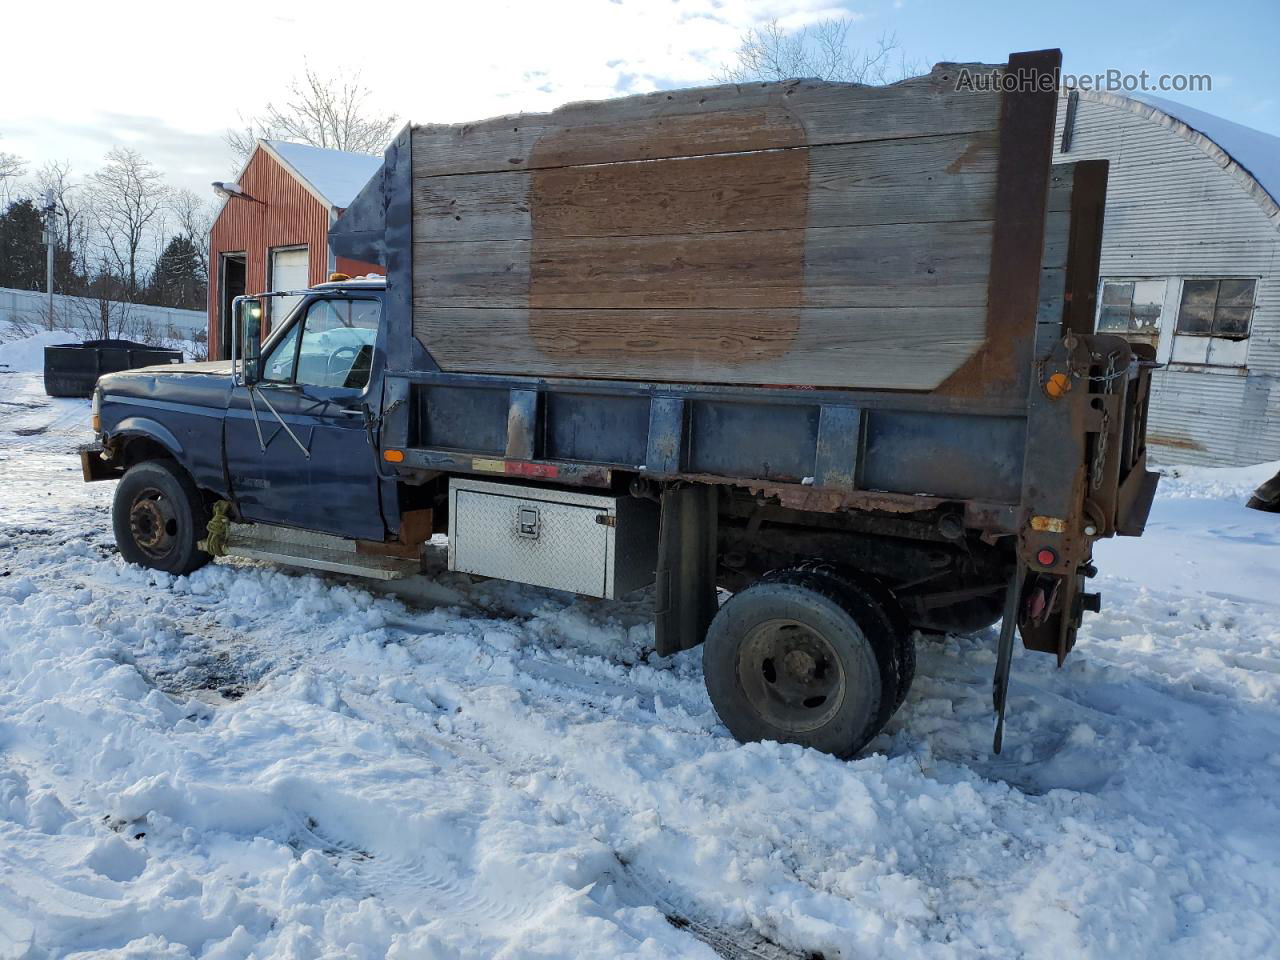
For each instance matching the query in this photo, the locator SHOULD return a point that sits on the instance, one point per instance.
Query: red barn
(274, 233)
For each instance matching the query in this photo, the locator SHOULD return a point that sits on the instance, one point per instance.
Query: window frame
(1212, 333)
(1156, 335)
(299, 317)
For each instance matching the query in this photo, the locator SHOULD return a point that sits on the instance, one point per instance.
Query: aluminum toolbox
(600, 545)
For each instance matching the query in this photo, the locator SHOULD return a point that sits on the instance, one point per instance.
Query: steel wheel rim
(153, 523)
(791, 675)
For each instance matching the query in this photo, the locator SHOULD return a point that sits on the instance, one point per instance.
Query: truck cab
(290, 446)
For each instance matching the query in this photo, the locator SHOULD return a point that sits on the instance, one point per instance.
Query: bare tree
(104, 312)
(821, 51)
(54, 181)
(194, 219)
(324, 111)
(12, 167)
(126, 197)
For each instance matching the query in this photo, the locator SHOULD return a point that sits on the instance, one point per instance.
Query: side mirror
(248, 337)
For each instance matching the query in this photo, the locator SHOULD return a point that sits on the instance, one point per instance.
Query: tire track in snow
(401, 876)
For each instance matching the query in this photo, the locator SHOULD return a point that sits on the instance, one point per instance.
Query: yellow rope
(219, 528)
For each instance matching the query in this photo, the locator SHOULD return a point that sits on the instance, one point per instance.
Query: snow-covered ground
(250, 763)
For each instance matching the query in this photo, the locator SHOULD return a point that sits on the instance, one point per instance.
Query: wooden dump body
(815, 234)
(839, 296)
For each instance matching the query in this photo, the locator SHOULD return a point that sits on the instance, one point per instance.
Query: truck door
(296, 447)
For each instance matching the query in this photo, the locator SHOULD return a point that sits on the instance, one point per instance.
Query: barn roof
(1249, 154)
(335, 176)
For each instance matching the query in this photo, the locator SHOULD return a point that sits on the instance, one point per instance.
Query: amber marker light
(393, 456)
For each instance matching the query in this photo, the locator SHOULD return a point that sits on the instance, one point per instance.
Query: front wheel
(802, 658)
(159, 518)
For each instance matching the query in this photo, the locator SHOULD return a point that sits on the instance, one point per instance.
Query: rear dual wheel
(808, 656)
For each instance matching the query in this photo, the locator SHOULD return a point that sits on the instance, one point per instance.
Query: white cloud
(169, 78)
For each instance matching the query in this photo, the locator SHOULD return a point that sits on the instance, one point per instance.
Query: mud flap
(686, 574)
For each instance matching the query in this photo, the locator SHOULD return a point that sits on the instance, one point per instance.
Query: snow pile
(248, 763)
(26, 354)
(1215, 483)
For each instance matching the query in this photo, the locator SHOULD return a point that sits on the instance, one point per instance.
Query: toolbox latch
(528, 523)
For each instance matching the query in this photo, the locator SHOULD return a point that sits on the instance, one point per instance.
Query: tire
(884, 605)
(800, 657)
(159, 517)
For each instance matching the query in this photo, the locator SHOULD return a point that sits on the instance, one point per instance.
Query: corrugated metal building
(275, 234)
(1191, 264)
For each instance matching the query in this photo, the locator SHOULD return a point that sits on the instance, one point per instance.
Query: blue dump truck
(826, 348)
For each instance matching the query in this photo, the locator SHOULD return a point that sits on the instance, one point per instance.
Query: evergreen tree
(178, 279)
(22, 252)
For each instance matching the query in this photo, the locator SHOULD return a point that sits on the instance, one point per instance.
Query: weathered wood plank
(724, 119)
(924, 180)
(905, 348)
(873, 266)
(929, 179)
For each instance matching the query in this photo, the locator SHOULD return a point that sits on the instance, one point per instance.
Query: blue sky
(1235, 41)
(169, 78)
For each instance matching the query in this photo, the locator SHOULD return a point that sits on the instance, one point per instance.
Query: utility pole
(50, 241)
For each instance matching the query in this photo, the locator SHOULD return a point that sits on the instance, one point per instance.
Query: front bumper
(93, 464)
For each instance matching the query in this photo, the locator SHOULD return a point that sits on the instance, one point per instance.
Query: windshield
(331, 346)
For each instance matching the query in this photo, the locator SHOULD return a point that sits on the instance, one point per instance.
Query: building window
(1216, 308)
(1213, 323)
(1131, 309)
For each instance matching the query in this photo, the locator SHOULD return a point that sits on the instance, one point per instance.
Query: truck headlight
(95, 410)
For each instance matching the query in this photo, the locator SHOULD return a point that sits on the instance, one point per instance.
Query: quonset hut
(1191, 265)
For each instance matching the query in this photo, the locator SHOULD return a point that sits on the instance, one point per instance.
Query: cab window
(331, 346)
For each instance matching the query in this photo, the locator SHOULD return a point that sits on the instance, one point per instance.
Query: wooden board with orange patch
(820, 234)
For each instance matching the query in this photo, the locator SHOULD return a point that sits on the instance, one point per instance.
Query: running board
(314, 551)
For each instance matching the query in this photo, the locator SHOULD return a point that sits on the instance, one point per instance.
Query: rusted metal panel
(666, 435)
(1088, 205)
(1002, 365)
(356, 268)
(522, 422)
(839, 439)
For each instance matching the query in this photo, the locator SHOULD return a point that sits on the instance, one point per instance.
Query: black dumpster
(72, 369)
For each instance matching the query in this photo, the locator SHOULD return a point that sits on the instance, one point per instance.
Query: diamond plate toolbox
(600, 545)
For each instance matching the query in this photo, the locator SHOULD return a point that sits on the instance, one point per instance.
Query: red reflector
(544, 470)
(1046, 557)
